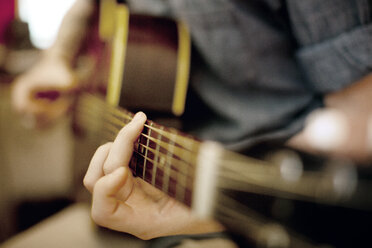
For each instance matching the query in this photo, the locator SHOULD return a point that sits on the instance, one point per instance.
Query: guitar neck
(204, 175)
(164, 157)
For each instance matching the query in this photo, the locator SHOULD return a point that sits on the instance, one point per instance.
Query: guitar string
(179, 151)
(183, 183)
(186, 201)
(249, 186)
(261, 168)
(235, 155)
(174, 161)
(262, 171)
(292, 191)
(170, 174)
(181, 163)
(235, 176)
(165, 133)
(174, 169)
(166, 148)
(162, 155)
(269, 179)
(128, 116)
(191, 164)
(265, 185)
(229, 160)
(189, 160)
(183, 154)
(157, 185)
(311, 186)
(168, 133)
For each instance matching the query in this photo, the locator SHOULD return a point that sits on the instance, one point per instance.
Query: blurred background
(40, 174)
(35, 166)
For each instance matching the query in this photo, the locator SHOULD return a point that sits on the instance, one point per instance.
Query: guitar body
(150, 69)
(143, 64)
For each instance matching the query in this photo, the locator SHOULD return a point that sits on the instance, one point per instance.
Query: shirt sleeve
(335, 63)
(334, 40)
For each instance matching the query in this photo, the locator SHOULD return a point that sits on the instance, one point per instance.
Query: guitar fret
(176, 150)
(137, 164)
(181, 191)
(187, 197)
(179, 164)
(167, 169)
(182, 139)
(146, 152)
(156, 158)
(162, 167)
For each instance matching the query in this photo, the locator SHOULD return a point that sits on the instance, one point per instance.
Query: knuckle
(99, 185)
(104, 147)
(109, 168)
(88, 183)
(112, 165)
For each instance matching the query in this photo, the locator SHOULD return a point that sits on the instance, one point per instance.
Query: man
(262, 67)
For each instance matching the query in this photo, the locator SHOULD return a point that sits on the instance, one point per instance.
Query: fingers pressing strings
(184, 148)
(122, 147)
(124, 144)
(113, 155)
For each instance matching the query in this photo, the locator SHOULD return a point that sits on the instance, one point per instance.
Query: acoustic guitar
(242, 192)
(277, 202)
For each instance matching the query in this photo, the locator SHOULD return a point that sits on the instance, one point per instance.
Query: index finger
(122, 148)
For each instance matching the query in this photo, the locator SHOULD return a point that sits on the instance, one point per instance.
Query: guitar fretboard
(167, 159)
(164, 157)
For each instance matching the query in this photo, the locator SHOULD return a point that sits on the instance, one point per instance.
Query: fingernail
(139, 117)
